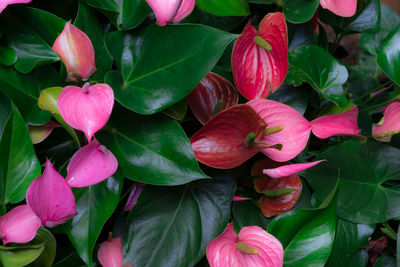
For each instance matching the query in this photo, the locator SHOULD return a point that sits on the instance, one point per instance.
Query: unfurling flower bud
(171, 11)
(110, 253)
(75, 49)
(134, 195)
(19, 225)
(50, 197)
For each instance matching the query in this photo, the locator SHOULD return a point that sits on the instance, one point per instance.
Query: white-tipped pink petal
(256, 248)
(343, 8)
(88, 108)
(5, 3)
(134, 195)
(90, 165)
(389, 124)
(50, 197)
(287, 170)
(295, 133)
(110, 252)
(186, 8)
(338, 124)
(168, 11)
(237, 198)
(76, 51)
(19, 225)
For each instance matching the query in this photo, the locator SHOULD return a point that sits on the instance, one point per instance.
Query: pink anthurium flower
(50, 197)
(213, 94)
(90, 165)
(19, 225)
(237, 198)
(389, 124)
(75, 49)
(5, 3)
(110, 253)
(134, 196)
(343, 8)
(171, 11)
(260, 59)
(290, 169)
(88, 108)
(253, 247)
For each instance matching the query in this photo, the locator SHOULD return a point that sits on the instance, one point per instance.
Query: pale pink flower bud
(5, 3)
(171, 11)
(19, 225)
(50, 197)
(90, 165)
(88, 108)
(110, 253)
(343, 8)
(134, 195)
(290, 169)
(75, 49)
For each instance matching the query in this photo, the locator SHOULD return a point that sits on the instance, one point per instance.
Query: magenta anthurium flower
(19, 225)
(90, 165)
(290, 169)
(110, 253)
(50, 197)
(260, 59)
(389, 124)
(75, 49)
(134, 195)
(238, 198)
(343, 8)
(88, 108)
(253, 247)
(5, 3)
(171, 11)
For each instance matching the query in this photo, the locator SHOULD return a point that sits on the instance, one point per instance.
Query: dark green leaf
(173, 226)
(224, 7)
(20, 256)
(246, 213)
(177, 111)
(45, 259)
(385, 261)
(72, 259)
(295, 97)
(389, 55)
(299, 11)
(8, 56)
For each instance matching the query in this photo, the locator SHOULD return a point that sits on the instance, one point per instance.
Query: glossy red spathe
(343, 8)
(171, 11)
(389, 124)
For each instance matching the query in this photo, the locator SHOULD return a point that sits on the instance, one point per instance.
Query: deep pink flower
(237, 198)
(5, 3)
(110, 253)
(88, 108)
(343, 8)
(19, 225)
(290, 169)
(90, 165)
(389, 124)
(171, 11)
(75, 49)
(260, 59)
(50, 197)
(253, 247)
(134, 195)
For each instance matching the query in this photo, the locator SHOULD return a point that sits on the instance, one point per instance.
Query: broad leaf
(299, 11)
(389, 55)
(48, 255)
(8, 56)
(246, 213)
(173, 226)
(224, 7)
(20, 256)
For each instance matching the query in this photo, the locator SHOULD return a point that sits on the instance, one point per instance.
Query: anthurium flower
(110, 253)
(19, 225)
(41, 132)
(5, 3)
(389, 124)
(237, 198)
(50, 197)
(75, 49)
(134, 195)
(171, 11)
(213, 94)
(230, 138)
(253, 247)
(88, 108)
(290, 169)
(279, 195)
(343, 8)
(90, 165)
(260, 59)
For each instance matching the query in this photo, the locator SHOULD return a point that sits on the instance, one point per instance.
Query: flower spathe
(253, 247)
(343, 8)
(389, 124)
(110, 253)
(290, 169)
(88, 108)
(5, 3)
(19, 225)
(171, 11)
(50, 197)
(76, 51)
(134, 196)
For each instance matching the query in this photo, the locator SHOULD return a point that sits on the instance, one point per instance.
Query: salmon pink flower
(75, 49)
(343, 8)
(171, 11)
(19, 225)
(253, 247)
(290, 169)
(5, 3)
(110, 253)
(389, 124)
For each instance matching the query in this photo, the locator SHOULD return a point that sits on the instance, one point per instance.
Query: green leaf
(299, 11)
(385, 261)
(314, 65)
(18, 163)
(389, 55)
(398, 247)
(224, 7)
(177, 111)
(161, 65)
(173, 226)
(8, 56)
(246, 213)
(153, 150)
(94, 205)
(48, 255)
(297, 98)
(363, 169)
(20, 256)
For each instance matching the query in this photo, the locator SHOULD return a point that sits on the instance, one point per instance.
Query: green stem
(375, 89)
(335, 43)
(378, 105)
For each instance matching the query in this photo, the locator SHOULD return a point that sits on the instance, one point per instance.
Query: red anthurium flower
(253, 247)
(213, 94)
(90, 165)
(230, 138)
(260, 59)
(134, 195)
(50, 197)
(5, 3)
(19, 225)
(110, 253)
(343, 8)
(287, 170)
(280, 195)
(88, 108)
(171, 11)
(389, 124)
(75, 49)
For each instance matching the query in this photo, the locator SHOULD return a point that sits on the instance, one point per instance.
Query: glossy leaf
(224, 7)
(8, 56)
(173, 226)
(146, 84)
(20, 256)
(299, 11)
(94, 205)
(246, 213)
(389, 55)
(48, 255)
